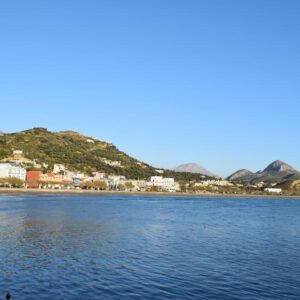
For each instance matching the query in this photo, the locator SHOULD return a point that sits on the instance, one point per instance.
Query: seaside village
(14, 175)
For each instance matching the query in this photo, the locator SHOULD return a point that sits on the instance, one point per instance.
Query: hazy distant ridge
(194, 168)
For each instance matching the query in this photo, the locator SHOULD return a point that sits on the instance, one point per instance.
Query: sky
(169, 82)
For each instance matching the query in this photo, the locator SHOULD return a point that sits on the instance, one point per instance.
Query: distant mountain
(279, 166)
(278, 171)
(241, 175)
(194, 168)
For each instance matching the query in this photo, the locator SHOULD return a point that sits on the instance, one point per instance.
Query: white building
(90, 141)
(99, 175)
(139, 185)
(273, 190)
(112, 163)
(12, 171)
(206, 183)
(18, 152)
(159, 171)
(79, 175)
(116, 179)
(167, 184)
(58, 168)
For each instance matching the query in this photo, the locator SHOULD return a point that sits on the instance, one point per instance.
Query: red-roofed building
(32, 179)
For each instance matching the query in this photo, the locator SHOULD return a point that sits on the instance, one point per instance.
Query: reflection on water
(112, 247)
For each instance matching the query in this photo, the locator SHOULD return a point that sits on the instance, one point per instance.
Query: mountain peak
(279, 166)
(70, 133)
(194, 168)
(35, 130)
(240, 174)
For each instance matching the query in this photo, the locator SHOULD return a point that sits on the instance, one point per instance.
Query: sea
(149, 247)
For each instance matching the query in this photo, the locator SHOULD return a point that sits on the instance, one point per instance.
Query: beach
(167, 194)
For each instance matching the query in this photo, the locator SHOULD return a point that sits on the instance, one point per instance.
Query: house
(139, 185)
(8, 170)
(166, 184)
(100, 175)
(79, 175)
(206, 183)
(116, 179)
(273, 190)
(76, 181)
(159, 171)
(59, 168)
(18, 152)
(112, 163)
(56, 181)
(33, 179)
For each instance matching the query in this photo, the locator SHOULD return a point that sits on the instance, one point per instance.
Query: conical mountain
(279, 166)
(241, 175)
(194, 168)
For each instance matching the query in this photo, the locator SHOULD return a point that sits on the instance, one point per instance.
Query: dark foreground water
(135, 247)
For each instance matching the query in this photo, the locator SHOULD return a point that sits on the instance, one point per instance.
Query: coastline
(4, 191)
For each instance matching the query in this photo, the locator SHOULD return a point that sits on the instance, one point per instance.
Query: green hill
(79, 153)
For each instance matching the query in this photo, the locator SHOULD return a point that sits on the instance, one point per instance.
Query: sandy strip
(91, 192)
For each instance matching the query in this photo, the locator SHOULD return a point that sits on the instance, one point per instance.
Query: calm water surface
(136, 247)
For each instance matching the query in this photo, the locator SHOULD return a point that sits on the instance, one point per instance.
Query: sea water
(149, 247)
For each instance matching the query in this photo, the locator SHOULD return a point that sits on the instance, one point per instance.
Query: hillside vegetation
(78, 153)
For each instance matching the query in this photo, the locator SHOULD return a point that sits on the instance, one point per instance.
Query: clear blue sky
(169, 82)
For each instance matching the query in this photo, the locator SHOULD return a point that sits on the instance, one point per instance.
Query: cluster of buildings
(103, 181)
(61, 178)
(216, 182)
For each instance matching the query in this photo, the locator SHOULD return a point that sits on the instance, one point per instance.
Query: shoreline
(103, 193)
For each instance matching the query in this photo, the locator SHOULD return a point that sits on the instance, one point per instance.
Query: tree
(121, 187)
(154, 188)
(87, 185)
(183, 185)
(100, 185)
(129, 185)
(12, 182)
